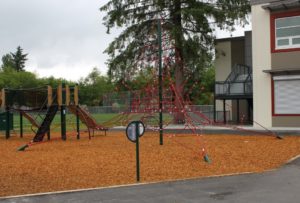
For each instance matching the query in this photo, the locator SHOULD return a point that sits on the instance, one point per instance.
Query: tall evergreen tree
(7, 62)
(19, 59)
(189, 23)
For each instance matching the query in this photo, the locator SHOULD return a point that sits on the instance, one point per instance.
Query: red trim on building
(285, 115)
(272, 19)
(273, 96)
(273, 103)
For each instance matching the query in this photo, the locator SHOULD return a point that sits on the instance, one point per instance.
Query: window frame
(274, 114)
(274, 48)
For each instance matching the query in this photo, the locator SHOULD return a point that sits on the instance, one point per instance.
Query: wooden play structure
(46, 102)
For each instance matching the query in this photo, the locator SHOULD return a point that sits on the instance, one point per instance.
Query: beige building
(275, 63)
(233, 89)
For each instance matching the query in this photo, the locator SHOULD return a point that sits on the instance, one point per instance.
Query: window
(287, 32)
(286, 95)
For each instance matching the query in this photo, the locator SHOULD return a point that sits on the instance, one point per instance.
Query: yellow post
(76, 98)
(67, 95)
(59, 95)
(49, 95)
(3, 98)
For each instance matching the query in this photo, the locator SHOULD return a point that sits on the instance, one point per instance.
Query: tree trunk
(179, 74)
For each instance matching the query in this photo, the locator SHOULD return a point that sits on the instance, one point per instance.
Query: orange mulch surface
(110, 160)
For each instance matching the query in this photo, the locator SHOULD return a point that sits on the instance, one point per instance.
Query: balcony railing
(234, 88)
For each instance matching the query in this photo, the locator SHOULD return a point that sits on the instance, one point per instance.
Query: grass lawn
(101, 118)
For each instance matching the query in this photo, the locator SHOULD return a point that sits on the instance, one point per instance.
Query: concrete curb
(292, 160)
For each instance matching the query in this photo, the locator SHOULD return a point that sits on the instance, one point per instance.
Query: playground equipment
(45, 102)
(165, 92)
(169, 88)
(86, 118)
(3, 121)
(30, 118)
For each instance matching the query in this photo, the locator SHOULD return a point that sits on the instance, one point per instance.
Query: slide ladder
(86, 118)
(30, 119)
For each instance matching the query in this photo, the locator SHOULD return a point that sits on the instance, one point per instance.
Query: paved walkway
(279, 186)
(228, 129)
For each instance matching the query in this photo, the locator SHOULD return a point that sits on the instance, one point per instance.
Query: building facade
(273, 55)
(276, 62)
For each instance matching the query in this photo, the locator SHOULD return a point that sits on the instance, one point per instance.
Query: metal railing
(249, 85)
(234, 88)
(237, 70)
(239, 82)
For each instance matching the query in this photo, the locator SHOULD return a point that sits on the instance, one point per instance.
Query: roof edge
(228, 39)
(256, 2)
(283, 71)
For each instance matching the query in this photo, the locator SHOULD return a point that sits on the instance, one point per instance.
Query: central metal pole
(160, 83)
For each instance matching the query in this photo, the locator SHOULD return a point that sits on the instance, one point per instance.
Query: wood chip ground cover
(110, 160)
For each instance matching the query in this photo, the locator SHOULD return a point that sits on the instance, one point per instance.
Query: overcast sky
(63, 38)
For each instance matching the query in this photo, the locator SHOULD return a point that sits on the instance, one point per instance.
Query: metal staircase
(238, 83)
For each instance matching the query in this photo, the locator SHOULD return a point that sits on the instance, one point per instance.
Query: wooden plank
(50, 95)
(67, 88)
(59, 95)
(76, 98)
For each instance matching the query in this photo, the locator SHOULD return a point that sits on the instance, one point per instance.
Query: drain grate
(220, 196)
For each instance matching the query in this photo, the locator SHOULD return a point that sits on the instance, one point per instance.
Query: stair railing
(248, 89)
(224, 88)
(238, 69)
